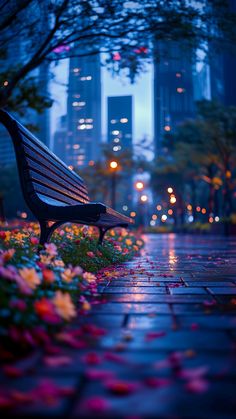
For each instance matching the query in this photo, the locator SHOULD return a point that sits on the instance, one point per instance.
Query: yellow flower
(128, 242)
(30, 276)
(64, 305)
(67, 275)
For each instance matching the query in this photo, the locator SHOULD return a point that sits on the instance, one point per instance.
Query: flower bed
(41, 293)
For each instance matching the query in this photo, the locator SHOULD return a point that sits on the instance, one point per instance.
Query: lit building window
(83, 126)
(89, 120)
(84, 78)
(178, 75)
(77, 96)
(76, 146)
(180, 90)
(76, 70)
(116, 132)
(123, 120)
(116, 148)
(167, 128)
(113, 121)
(81, 120)
(116, 140)
(78, 103)
(70, 167)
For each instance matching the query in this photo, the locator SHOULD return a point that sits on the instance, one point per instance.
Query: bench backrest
(42, 173)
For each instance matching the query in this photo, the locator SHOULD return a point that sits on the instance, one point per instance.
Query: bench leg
(102, 232)
(46, 232)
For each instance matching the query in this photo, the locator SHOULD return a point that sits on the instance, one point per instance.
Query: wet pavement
(161, 344)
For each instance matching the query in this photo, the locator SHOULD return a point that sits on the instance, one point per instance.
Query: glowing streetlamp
(139, 185)
(144, 198)
(172, 199)
(113, 166)
(170, 190)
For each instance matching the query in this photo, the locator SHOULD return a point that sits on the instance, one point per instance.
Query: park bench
(54, 193)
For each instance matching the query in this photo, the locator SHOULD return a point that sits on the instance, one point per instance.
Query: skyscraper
(120, 130)
(83, 111)
(173, 90)
(222, 72)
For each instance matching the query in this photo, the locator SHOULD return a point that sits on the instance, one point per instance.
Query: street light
(113, 166)
(144, 198)
(139, 185)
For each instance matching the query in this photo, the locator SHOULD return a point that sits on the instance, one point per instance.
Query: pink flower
(198, 385)
(96, 404)
(51, 249)
(121, 387)
(154, 335)
(91, 358)
(91, 254)
(34, 240)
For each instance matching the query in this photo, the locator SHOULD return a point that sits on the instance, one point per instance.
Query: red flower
(45, 310)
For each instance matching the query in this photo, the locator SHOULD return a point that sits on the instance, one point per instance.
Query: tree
(207, 146)
(53, 30)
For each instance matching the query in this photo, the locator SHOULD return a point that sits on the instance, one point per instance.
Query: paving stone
(129, 308)
(180, 340)
(222, 290)
(136, 290)
(188, 290)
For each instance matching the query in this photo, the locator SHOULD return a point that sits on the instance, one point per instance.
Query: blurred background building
(84, 111)
(120, 122)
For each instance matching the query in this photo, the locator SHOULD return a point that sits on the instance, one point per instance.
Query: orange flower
(68, 275)
(86, 306)
(7, 255)
(30, 276)
(64, 305)
(128, 242)
(89, 277)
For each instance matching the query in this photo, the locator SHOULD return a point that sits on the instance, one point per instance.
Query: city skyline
(142, 100)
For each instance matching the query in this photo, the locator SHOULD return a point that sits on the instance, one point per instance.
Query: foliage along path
(158, 342)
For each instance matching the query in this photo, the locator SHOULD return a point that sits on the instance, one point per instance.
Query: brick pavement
(169, 350)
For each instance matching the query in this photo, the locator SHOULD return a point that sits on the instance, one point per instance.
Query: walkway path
(163, 345)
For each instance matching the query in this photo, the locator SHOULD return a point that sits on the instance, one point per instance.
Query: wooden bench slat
(40, 153)
(52, 194)
(50, 185)
(49, 176)
(32, 139)
(48, 166)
